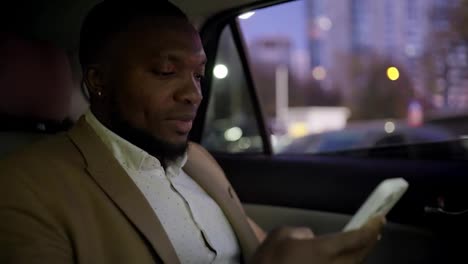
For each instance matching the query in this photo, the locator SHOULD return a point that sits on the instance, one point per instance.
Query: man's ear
(94, 79)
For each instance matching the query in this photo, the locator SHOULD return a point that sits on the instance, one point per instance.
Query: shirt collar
(127, 154)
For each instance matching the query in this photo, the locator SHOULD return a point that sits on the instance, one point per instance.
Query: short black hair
(113, 16)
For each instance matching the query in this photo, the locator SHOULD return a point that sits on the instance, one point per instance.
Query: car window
(230, 124)
(338, 75)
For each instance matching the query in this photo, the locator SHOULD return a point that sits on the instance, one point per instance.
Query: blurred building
(397, 31)
(273, 50)
(450, 59)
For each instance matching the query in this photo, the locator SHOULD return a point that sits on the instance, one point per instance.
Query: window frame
(210, 34)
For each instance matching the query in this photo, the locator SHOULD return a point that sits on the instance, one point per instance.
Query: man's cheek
(158, 128)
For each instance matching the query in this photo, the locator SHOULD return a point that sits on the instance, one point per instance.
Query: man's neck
(160, 150)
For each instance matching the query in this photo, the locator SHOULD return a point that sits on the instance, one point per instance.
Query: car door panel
(323, 192)
(399, 244)
(341, 184)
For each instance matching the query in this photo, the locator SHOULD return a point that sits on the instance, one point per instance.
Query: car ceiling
(59, 21)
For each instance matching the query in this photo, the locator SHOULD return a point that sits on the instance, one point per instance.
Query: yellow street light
(393, 73)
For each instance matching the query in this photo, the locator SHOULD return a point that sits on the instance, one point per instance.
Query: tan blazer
(67, 200)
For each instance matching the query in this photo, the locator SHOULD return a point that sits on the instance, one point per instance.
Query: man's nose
(190, 92)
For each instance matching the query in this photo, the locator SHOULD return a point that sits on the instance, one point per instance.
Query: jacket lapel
(202, 167)
(120, 188)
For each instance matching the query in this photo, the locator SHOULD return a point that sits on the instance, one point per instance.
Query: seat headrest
(35, 80)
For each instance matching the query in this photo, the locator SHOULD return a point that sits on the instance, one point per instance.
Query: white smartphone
(381, 201)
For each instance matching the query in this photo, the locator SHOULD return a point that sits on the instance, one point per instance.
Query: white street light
(220, 71)
(389, 127)
(233, 134)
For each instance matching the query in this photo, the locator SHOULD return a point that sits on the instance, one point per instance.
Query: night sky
(286, 20)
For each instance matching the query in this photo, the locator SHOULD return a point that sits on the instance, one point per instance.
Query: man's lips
(182, 126)
(182, 123)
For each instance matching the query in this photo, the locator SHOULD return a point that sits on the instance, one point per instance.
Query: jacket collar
(200, 165)
(114, 181)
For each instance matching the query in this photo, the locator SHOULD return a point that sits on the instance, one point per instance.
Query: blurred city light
(415, 114)
(393, 73)
(389, 127)
(298, 129)
(438, 100)
(246, 15)
(324, 23)
(233, 134)
(220, 71)
(410, 50)
(319, 73)
(245, 143)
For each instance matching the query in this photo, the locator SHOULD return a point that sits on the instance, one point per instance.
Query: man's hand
(298, 245)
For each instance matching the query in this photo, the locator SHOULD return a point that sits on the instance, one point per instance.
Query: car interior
(41, 94)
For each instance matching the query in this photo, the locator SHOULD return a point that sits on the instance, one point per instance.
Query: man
(124, 185)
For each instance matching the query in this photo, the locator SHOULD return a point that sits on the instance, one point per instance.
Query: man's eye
(163, 73)
(166, 73)
(199, 77)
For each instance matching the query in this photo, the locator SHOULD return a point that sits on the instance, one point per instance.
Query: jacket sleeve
(28, 231)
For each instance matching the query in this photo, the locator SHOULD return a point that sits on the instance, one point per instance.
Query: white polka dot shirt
(196, 226)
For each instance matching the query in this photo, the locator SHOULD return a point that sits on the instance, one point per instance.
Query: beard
(163, 150)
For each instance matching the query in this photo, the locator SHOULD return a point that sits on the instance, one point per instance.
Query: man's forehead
(167, 37)
(165, 27)
(182, 56)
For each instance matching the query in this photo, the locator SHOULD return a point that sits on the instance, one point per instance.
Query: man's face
(153, 75)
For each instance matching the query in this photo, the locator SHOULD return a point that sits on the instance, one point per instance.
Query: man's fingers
(285, 245)
(293, 233)
(293, 245)
(301, 233)
(357, 256)
(358, 240)
(379, 222)
(347, 247)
